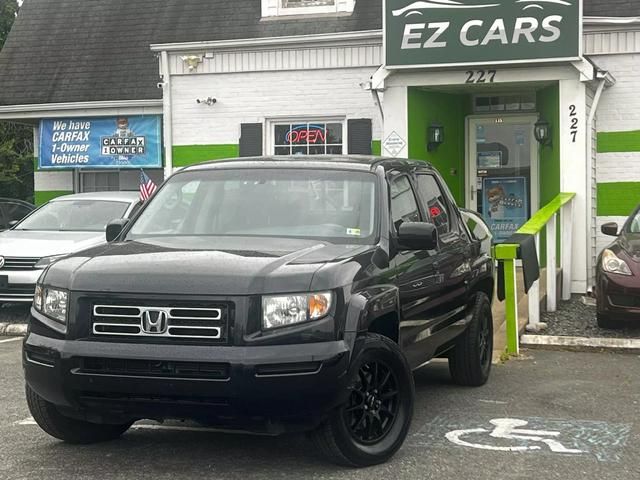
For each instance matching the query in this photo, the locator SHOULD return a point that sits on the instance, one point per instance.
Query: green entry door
(502, 171)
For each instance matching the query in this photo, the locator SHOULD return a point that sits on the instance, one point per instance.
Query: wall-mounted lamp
(435, 137)
(192, 62)
(542, 132)
(207, 101)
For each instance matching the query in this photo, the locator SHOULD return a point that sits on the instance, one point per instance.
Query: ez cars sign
(433, 33)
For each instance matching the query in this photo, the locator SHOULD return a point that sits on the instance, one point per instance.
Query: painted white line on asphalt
(495, 402)
(27, 421)
(618, 344)
(11, 340)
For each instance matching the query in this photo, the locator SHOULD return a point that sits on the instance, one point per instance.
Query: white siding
(276, 59)
(53, 181)
(612, 42)
(257, 96)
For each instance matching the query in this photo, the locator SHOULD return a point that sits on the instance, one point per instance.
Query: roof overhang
(57, 110)
(295, 40)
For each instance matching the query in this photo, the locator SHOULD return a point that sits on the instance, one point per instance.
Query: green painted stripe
(618, 199)
(619, 141)
(43, 197)
(376, 147)
(184, 155)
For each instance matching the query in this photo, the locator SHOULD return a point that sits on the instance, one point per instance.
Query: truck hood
(39, 244)
(209, 266)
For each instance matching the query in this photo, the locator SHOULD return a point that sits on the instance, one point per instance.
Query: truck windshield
(336, 206)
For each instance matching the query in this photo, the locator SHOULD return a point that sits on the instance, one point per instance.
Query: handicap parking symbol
(602, 441)
(510, 429)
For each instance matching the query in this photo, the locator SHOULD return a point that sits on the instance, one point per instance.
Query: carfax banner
(114, 142)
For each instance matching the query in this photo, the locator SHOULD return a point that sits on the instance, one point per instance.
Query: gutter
(294, 40)
(604, 79)
(167, 117)
(39, 107)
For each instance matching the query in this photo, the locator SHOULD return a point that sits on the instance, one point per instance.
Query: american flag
(147, 187)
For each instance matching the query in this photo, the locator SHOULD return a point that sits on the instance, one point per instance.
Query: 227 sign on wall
(430, 33)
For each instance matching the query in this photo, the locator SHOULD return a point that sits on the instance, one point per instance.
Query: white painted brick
(618, 167)
(254, 97)
(619, 108)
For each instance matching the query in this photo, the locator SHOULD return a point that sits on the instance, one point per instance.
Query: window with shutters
(271, 8)
(308, 138)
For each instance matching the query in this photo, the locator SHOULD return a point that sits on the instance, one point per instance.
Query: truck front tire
(470, 360)
(373, 424)
(68, 429)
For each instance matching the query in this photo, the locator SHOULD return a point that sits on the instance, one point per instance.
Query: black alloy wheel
(373, 405)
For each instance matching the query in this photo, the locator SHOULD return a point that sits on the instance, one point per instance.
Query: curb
(13, 329)
(581, 344)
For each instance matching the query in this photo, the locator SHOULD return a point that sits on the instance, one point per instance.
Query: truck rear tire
(470, 360)
(607, 322)
(373, 424)
(68, 429)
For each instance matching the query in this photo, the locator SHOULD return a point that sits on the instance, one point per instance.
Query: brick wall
(254, 97)
(618, 159)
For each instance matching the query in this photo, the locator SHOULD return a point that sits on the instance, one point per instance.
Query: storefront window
(305, 7)
(308, 138)
(99, 181)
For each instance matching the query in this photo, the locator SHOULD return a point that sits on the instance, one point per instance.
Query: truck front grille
(19, 263)
(180, 322)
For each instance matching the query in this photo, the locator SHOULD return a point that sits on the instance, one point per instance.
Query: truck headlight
(284, 310)
(613, 264)
(51, 302)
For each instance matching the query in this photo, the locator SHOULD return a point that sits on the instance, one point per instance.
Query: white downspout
(592, 114)
(167, 116)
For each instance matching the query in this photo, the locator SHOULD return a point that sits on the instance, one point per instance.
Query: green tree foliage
(16, 140)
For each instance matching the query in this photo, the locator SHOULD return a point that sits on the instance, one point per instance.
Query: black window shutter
(359, 136)
(250, 139)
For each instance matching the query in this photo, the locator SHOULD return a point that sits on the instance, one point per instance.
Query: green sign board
(432, 33)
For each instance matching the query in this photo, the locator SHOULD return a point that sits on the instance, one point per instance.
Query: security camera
(160, 85)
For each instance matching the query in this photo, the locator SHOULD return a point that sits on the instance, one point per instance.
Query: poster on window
(109, 142)
(504, 205)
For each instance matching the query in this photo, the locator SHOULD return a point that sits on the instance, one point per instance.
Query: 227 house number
(481, 76)
(573, 127)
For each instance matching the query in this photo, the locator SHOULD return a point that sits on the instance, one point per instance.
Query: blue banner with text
(114, 142)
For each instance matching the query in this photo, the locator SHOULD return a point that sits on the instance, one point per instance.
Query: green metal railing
(507, 253)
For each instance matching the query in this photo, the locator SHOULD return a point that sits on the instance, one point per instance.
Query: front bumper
(618, 296)
(254, 388)
(21, 285)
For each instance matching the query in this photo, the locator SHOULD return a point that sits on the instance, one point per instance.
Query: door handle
(472, 190)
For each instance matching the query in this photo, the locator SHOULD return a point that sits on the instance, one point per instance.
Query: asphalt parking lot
(548, 415)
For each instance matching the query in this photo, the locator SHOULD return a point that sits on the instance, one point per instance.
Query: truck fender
(368, 305)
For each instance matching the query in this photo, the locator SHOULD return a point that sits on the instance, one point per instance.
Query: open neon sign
(307, 134)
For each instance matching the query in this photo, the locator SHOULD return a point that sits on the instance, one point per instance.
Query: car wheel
(470, 360)
(68, 429)
(607, 322)
(373, 424)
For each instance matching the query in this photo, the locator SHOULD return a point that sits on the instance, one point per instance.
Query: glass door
(502, 168)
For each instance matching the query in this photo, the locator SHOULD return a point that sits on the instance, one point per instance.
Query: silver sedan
(62, 226)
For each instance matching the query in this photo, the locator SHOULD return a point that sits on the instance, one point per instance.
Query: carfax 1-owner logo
(110, 142)
(469, 32)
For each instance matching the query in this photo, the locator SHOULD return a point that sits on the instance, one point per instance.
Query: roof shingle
(97, 50)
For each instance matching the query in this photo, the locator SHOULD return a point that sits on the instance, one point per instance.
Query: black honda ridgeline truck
(267, 295)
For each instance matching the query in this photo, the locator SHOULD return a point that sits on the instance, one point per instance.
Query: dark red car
(618, 274)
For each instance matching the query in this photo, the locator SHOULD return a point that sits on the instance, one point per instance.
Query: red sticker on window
(435, 211)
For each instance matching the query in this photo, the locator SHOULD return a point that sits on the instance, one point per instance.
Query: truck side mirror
(115, 227)
(610, 229)
(417, 236)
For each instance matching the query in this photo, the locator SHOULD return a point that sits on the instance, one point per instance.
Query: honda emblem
(155, 322)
